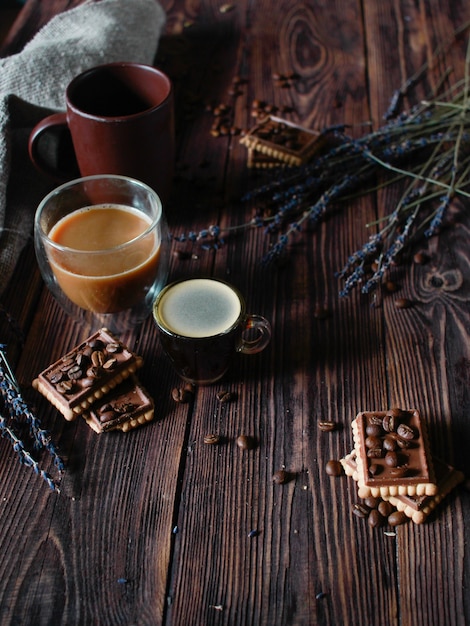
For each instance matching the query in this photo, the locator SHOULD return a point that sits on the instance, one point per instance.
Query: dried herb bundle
(427, 149)
(17, 413)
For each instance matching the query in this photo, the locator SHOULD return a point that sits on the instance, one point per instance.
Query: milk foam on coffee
(199, 308)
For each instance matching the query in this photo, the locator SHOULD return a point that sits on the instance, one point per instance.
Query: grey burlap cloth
(32, 85)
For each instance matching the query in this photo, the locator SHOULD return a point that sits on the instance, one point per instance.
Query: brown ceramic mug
(120, 119)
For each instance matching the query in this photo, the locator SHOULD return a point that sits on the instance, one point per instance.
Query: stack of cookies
(275, 142)
(391, 460)
(97, 381)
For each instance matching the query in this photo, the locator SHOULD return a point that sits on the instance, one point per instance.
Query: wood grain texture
(156, 527)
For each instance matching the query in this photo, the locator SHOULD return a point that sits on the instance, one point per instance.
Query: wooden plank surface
(154, 527)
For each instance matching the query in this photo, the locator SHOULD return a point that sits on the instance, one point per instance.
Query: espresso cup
(119, 119)
(202, 323)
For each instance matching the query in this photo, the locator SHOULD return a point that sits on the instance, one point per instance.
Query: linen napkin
(33, 83)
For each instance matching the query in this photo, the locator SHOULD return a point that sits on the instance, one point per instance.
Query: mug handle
(57, 122)
(262, 328)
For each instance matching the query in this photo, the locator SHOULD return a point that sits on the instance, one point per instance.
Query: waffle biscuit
(283, 141)
(382, 471)
(417, 508)
(87, 373)
(124, 408)
(259, 161)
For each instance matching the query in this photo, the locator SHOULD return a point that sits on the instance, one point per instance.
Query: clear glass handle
(256, 334)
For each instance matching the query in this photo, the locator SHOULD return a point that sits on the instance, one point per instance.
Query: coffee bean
(372, 502)
(327, 427)
(65, 386)
(399, 471)
(86, 351)
(373, 442)
(420, 258)
(361, 510)
(109, 364)
(107, 416)
(280, 477)
(390, 286)
(67, 363)
(374, 430)
(97, 358)
(181, 395)
(96, 344)
(82, 360)
(226, 8)
(389, 423)
(385, 508)
(224, 396)
(396, 518)
(390, 443)
(391, 459)
(333, 468)
(93, 372)
(113, 348)
(403, 303)
(245, 442)
(404, 443)
(211, 439)
(375, 519)
(56, 377)
(406, 432)
(375, 419)
(375, 453)
(75, 372)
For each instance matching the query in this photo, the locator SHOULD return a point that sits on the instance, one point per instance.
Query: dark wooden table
(155, 527)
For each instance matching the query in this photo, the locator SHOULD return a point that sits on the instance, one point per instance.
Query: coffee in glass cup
(102, 248)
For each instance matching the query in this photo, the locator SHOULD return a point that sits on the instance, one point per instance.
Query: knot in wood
(450, 280)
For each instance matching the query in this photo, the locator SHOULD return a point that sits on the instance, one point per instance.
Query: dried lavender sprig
(358, 259)
(389, 256)
(19, 410)
(313, 214)
(24, 456)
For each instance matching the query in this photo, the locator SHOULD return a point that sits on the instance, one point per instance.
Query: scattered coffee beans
(385, 508)
(327, 426)
(361, 510)
(372, 502)
(245, 442)
(378, 512)
(225, 396)
(334, 468)
(280, 477)
(211, 439)
(420, 258)
(403, 303)
(375, 519)
(391, 286)
(182, 395)
(396, 518)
